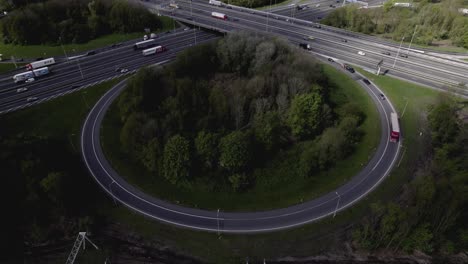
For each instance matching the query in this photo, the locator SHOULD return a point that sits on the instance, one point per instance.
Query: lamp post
(79, 66)
(64, 52)
(337, 204)
(411, 42)
(398, 52)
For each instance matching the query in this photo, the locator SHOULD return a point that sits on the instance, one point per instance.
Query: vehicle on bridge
(153, 50)
(395, 132)
(40, 64)
(216, 3)
(219, 15)
(144, 44)
(22, 77)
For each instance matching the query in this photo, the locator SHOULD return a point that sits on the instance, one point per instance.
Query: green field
(275, 4)
(274, 192)
(34, 51)
(4, 67)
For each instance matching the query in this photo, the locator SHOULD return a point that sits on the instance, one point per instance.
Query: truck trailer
(21, 77)
(215, 3)
(395, 132)
(219, 15)
(153, 50)
(144, 44)
(40, 64)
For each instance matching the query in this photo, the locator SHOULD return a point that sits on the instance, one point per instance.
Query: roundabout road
(329, 204)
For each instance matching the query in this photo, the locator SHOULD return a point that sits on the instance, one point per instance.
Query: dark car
(76, 86)
(386, 53)
(330, 60)
(404, 55)
(348, 68)
(89, 53)
(382, 96)
(317, 26)
(344, 40)
(366, 81)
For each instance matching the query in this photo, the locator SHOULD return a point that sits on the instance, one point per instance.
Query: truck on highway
(215, 3)
(218, 15)
(153, 50)
(144, 44)
(22, 77)
(305, 46)
(39, 64)
(395, 132)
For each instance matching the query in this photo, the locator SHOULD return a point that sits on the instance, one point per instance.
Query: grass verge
(274, 192)
(274, 4)
(34, 51)
(4, 67)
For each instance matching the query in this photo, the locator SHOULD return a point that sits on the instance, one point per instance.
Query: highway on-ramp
(329, 204)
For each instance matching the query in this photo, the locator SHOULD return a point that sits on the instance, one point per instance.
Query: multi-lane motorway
(83, 72)
(428, 69)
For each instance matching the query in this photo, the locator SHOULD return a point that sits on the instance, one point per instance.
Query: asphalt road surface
(244, 222)
(414, 65)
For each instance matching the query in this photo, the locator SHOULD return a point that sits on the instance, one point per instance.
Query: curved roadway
(239, 222)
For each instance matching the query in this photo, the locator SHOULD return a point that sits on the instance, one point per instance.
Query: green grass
(34, 51)
(278, 190)
(266, 8)
(58, 118)
(411, 102)
(4, 67)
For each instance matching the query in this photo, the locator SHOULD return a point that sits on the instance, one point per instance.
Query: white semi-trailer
(218, 15)
(20, 77)
(153, 50)
(144, 44)
(216, 3)
(40, 64)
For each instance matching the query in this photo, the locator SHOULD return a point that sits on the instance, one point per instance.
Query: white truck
(174, 5)
(144, 44)
(218, 15)
(39, 64)
(215, 3)
(21, 77)
(153, 50)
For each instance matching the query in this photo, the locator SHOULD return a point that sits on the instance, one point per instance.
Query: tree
(151, 155)
(305, 115)
(237, 180)
(206, 145)
(268, 130)
(235, 152)
(176, 159)
(52, 185)
(443, 122)
(129, 134)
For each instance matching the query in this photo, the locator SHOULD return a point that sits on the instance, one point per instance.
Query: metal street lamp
(398, 52)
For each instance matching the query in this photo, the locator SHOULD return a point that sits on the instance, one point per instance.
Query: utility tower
(76, 247)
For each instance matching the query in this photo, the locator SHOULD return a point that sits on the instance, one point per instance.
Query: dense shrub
(236, 103)
(77, 21)
(434, 21)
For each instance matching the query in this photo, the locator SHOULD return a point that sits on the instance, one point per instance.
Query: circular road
(329, 204)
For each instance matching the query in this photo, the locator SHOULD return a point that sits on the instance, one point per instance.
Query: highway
(430, 70)
(246, 222)
(83, 72)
